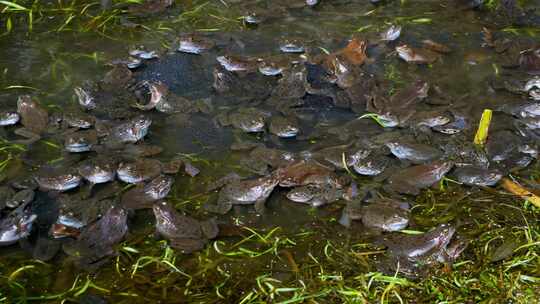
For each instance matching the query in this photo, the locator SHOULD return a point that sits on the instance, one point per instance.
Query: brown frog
(138, 171)
(292, 85)
(383, 214)
(410, 180)
(143, 196)
(306, 172)
(416, 55)
(245, 192)
(184, 233)
(34, 118)
(193, 44)
(399, 108)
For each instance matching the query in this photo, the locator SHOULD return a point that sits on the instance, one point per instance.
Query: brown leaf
(355, 51)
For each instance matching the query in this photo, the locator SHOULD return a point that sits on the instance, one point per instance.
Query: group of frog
(425, 139)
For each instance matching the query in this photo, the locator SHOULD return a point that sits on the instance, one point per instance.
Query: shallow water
(293, 253)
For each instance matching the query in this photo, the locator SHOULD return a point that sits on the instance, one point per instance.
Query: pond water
(307, 152)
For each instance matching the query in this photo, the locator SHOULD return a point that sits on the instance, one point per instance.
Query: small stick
(520, 191)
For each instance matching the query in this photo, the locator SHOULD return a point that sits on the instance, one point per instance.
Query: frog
(399, 108)
(532, 87)
(261, 159)
(22, 197)
(57, 179)
(529, 61)
(292, 84)
(59, 231)
(477, 176)
(98, 170)
(184, 233)
(341, 157)
(416, 153)
(430, 119)
(305, 172)
(6, 193)
(453, 127)
(76, 211)
(96, 241)
(128, 132)
(502, 144)
(292, 45)
(416, 55)
(464, 153)
(9, 118)
(16, 225)
(371, 165)
(283, 127)
(315, 195)
(249, 120)
(86, 96)
(412, 253)
(34, 118)
(386, 214)
(143, 196)
(78, 120)
(254, 191)
(141, 53)
(233, 63)
(274, 65)
(391, 33)
(138, 171)
(381, 214)
(80, 141)
(164, 101)
(341, 71)
(119, 76)
(193, 44)
(412, 179)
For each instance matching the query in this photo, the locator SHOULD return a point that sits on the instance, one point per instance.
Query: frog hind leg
(221, 207)
(345, 219)
(210, 228)
(260, 206)
(187, 245)
(30, 136)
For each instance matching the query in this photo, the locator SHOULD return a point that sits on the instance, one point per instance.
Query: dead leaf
(517, 189)
(355, 51)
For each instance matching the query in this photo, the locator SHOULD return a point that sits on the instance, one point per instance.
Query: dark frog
(415, 252)
(16, 225)
(411, 180)
(143, 196)
(185, 233)
(96, 241)
(398, 109)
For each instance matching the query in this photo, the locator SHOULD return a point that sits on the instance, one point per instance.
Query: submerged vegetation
(90, 16)
(308, 266)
